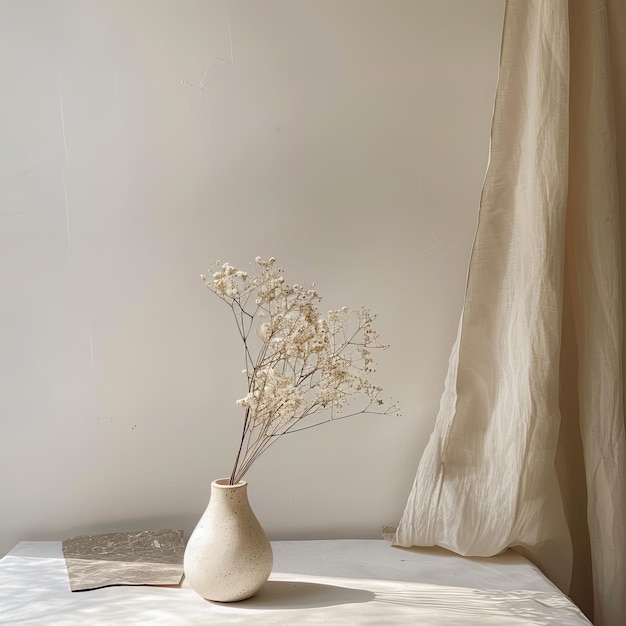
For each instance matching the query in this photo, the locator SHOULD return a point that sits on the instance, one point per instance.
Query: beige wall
(140, 141)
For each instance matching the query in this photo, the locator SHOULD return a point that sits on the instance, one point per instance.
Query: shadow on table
(287, 594)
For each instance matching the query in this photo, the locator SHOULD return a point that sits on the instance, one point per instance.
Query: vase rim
(222, 483)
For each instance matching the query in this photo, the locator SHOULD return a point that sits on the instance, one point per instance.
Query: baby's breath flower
(299, 364)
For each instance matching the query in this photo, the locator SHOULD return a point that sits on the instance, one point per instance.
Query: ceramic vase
(228, 556)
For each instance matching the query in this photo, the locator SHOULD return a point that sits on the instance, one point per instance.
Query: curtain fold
(528, 449)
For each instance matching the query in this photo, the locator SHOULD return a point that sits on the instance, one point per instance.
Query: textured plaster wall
(140, 141)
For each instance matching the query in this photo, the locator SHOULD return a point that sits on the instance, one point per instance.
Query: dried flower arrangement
(298, 365)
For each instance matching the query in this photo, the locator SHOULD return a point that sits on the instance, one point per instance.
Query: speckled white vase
(228, 556)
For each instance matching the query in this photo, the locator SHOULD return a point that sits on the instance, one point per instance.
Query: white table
(313, 582)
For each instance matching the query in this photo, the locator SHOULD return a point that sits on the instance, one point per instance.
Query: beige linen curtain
(529, 449)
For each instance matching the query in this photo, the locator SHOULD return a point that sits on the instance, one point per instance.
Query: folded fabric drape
(529, 448)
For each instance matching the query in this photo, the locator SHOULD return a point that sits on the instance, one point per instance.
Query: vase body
(228, 556)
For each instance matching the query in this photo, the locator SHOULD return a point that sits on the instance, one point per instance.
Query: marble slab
(148, 557)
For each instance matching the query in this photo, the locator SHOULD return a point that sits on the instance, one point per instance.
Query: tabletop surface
(312, 582)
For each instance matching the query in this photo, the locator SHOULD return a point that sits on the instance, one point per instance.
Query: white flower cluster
(298, 363)
(273, 401)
